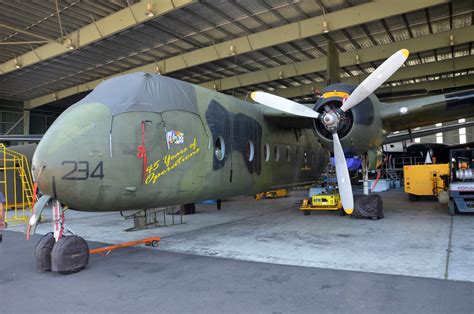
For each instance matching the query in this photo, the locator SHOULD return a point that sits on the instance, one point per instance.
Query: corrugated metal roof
(204, 24)
(39, 17)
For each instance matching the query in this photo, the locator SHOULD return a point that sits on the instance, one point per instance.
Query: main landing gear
(61, 250)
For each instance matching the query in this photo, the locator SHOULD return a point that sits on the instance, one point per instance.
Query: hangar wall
(40, 122)
(450, 137)
(11, 112)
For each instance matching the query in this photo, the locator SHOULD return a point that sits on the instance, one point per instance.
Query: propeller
(376, 78)
(283, 104)
(331, 119)
(342, 174)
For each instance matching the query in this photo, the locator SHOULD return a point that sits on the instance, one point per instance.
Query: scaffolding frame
(20, 203)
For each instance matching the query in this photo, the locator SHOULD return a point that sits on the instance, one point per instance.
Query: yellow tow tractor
(425, 180)
(322, 201)
(272, 194)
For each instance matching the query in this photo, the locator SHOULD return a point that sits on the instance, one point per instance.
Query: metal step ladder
(17, 184)
(26, 183)
(392, 174)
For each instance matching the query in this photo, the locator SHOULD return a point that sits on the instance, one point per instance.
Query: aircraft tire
(306, 212)
(69, 255)
(451, 208)
(43, 252)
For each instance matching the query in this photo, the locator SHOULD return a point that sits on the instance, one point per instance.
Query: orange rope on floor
(108, 249)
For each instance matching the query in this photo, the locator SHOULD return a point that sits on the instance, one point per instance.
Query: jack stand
(366, 181)
(365, 174)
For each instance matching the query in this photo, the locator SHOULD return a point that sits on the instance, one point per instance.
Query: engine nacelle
(355, 124)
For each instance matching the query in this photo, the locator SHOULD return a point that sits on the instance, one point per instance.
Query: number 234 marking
(80, 170)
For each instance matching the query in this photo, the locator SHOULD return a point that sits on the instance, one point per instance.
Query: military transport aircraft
(145, 141)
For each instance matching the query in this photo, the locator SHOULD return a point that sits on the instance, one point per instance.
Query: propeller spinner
(332, 119)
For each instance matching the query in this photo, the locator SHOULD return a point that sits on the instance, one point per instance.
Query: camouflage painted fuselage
(88, 158)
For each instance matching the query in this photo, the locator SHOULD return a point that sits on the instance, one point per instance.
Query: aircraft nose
(54, 157)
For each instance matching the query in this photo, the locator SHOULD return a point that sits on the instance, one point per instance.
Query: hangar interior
(228, 46)
(55, 52)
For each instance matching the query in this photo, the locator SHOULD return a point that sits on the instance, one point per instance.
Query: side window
(288, 158)
(266, 152)
(219, 148)
(277, 153)
(305, 156)
(249, 151)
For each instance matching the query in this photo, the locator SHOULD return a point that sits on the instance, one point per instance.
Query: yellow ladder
(20, 202)
(27, 187)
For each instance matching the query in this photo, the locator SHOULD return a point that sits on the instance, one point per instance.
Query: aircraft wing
(21, 137)
(287, 120)
(426, 111)
(407, 135)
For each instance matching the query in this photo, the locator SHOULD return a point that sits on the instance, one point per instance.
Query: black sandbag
(188, 209)
(43, 252)
(70, 255)
(368, 206)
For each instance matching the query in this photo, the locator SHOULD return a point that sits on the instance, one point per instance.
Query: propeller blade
(376, 78)
(283, 104)
(342, 174)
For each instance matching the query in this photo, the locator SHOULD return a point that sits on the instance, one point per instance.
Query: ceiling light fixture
(357, 58)
(451, 40)
(17, 64)
(69, 44)
(325, 27)
(149, 12)
(157, 69)
(232, 50)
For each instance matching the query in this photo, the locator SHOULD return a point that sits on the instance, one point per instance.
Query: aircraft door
(126, 139)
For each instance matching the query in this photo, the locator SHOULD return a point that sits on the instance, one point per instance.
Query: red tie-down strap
(142, 151)
(35, 192)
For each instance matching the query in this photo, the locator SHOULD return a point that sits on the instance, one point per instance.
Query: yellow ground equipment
(16, 184)
(322, 202)
(425, 180)
(272, 194)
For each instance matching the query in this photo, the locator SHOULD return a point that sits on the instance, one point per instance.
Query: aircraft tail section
(427, 110)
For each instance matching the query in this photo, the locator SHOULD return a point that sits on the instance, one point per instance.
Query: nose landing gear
(61, 250)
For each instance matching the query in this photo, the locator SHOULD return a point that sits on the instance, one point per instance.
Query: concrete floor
(136, 280)
(415, 239)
